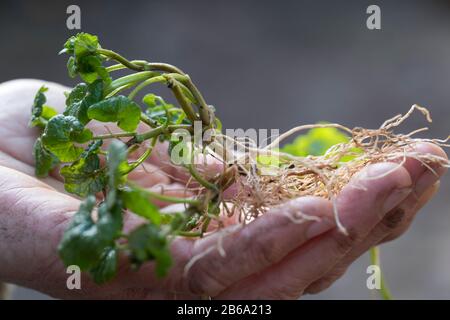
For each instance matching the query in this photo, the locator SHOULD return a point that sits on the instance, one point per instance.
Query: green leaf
(61, 134)
(117, 163)
(44, 160)
(90, 68)
(82, 244)
(110, 220)
(138, 201)
(72, 67)
(81, 44)
(118, 109)
(150, 100)
(107, 267)
(85, 59)
(85, 43)
(148, 242)
(85, 241)
(41, 113)
(84, 176)
(316, 142)
(158, 110)
(77, 94)
(81, 98)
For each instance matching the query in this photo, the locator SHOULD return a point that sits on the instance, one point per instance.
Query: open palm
(273, 257)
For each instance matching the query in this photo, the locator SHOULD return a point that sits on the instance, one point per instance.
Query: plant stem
(204, 109)
(143, 157)
(119, 89)
(144, 84)
(159, 66)
(188, 234)
(114, 135)
(148, 121)
(115, 56)
(172, 199)
(184, 103)
(166, 198)
(375, 260)
(205, 225)
(120, 66)
(203, 106)
(197, 176)
(159, 130)
(131, 78)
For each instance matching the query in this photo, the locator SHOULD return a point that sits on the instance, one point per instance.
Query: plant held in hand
(95, 167)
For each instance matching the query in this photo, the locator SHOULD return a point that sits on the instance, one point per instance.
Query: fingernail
(395, 197)
(317, 228)
(425, 181)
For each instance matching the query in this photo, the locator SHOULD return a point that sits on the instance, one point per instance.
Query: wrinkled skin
(272, 258)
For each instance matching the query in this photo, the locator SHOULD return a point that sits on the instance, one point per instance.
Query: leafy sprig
(95, 239)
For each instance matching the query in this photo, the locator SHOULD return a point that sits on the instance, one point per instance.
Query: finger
(411, 213)
(423, 179)
(379, 234)
(147, 175)
(361, 205)
(254, 247)
(16, 99)
(398, 220)
(8, 161)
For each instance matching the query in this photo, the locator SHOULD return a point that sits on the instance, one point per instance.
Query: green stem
(139, 65)
(143, 157)
(144, 136)
(157, 131)
(165, 198)
(172, 199)
(119, 89)
(375, 260)
(184, 103)
(188, 234)
(205, 225)
(120, 66)
(114, 135)
(162, 78)
(115, 56)
(197, 176)
(204, 110)
(149, 134)
(148, 121)
(203, 107)
(159, 66)
(131, 78)
(144, 84)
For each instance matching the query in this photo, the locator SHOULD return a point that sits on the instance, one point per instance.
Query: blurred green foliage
(315, 142)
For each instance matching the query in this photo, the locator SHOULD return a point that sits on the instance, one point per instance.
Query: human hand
(272, 257)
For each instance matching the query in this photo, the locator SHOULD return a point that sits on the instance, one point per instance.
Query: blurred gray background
(278, 64)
